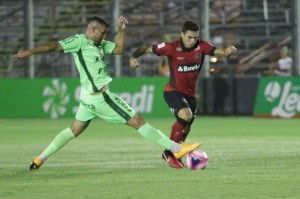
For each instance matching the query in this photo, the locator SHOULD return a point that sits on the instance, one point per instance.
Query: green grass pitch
(248, 158)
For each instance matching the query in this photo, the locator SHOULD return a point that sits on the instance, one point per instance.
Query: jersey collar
(188, 49)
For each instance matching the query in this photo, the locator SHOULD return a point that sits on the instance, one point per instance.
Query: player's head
(96, 29)
(190, 25)
(190, 34)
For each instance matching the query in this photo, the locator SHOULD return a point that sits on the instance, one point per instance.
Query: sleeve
(108, 46)
(207, 48)
(71, 44)
(162, 49)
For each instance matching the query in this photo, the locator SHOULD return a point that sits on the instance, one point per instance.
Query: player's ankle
(176, 147)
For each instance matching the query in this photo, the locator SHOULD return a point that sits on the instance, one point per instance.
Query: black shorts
(177, 101)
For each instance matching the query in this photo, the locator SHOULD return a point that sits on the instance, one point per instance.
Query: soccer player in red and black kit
(185, 59)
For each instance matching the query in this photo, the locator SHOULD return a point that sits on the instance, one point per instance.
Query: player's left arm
(227, 52)
(120, 38)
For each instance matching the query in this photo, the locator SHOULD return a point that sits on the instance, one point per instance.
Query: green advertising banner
(278, 97)
(55, 98)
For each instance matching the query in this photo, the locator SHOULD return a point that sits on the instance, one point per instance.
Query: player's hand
(21, 54)
(230, 50)
(122, 22)
(133, 62)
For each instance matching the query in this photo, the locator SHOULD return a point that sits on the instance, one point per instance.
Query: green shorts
(107, 106)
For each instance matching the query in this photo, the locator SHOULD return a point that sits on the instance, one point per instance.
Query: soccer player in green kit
(96, 100)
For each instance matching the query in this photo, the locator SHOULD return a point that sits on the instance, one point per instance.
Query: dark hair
(99, 20)
(190, 25)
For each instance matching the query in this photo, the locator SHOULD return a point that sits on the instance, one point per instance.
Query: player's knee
(186, 117)
(77, 127)
(140, 121)
(185, 114)
(137, 121)
(75, 131)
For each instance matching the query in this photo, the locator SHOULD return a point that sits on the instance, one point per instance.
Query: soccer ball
(196, 160)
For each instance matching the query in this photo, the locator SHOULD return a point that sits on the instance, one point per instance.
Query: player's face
(189, 38)
(99, 31)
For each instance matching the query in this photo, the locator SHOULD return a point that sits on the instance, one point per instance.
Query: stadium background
(249, 157)
(258, 28)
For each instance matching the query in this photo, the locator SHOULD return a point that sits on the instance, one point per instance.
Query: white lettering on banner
(272, 91)
(289, 103)
(140, 101)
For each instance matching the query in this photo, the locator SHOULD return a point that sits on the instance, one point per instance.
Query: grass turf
(248, 158)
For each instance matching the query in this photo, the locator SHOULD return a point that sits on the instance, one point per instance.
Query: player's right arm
(22, 54)
(137, 53)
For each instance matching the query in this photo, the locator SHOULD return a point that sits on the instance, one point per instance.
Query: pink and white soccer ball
(196, 160)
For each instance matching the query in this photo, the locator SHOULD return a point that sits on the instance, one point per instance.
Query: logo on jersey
(69, 40)
(161, 45)
(197, 56)
(180, 58)
(178, 49)
(96, 59)
(188, 68)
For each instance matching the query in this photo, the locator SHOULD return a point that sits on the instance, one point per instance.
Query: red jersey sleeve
(163, 49)
(207, 47)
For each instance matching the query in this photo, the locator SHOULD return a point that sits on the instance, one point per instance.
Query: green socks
(146, 131)
(155, 135)
(58, 142)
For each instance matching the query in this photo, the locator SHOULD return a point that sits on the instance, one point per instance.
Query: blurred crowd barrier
(248, 24)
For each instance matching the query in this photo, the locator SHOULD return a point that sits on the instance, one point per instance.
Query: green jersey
(89, 60)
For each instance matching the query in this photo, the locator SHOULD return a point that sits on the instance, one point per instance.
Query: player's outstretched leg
(58, 142)
(175, 150)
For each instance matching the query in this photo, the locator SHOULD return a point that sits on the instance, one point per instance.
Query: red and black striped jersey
(184, 64)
